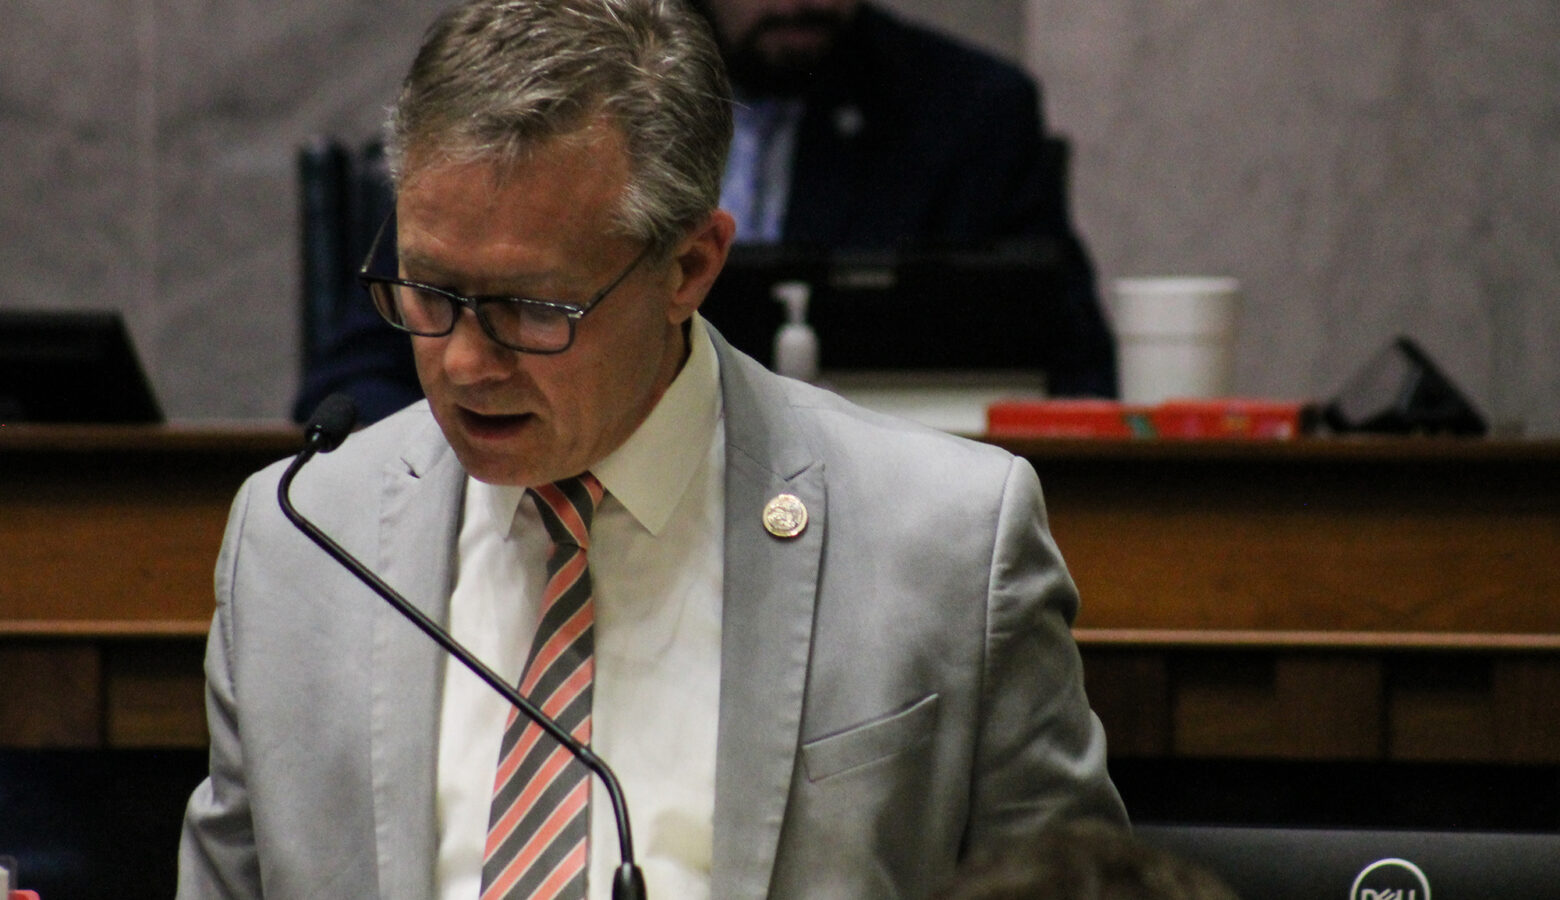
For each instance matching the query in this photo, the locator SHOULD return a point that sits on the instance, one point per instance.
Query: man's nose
(470, 356)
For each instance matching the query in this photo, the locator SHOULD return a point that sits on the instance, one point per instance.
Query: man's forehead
(559, 203)
(598, 138)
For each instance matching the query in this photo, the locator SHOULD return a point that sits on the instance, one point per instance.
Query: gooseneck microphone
(325, 431)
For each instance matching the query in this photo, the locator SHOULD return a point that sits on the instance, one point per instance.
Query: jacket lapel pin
(785, 516)
(848, 121)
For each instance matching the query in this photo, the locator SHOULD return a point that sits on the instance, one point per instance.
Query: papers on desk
(1008, 404)
(950, 401)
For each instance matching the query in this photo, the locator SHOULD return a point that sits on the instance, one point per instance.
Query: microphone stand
(322, 435)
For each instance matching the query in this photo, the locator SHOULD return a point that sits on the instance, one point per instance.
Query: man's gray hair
(495, 78)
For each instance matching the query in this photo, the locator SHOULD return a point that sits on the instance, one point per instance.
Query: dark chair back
(345, 193)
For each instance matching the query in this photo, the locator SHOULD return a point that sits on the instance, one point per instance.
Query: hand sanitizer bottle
(796, 344)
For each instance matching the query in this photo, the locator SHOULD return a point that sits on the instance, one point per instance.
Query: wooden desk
(108, 541)
(1359, 599)
(114, 530)
(1414, 543)
(1315, 599)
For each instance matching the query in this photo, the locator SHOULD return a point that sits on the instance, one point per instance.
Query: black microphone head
(331, 423)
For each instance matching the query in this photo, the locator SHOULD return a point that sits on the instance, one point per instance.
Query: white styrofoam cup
(1176, 337)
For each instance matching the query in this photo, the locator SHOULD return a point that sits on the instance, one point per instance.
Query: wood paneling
(1130, 692)
(51, 694)
(1352, 537)
(1301, 704)
(155, 694)
(1288, 706)
(117, 529)
(1340, 600)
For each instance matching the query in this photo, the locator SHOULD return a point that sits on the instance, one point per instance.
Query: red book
(1231, 418)
(1067, 419)
(1173, 419)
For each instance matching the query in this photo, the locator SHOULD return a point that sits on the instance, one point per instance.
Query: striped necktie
(540, 820)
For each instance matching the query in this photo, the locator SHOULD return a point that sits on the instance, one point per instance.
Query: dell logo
(1391, 879)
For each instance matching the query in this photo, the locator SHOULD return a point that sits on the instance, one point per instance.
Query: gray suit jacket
(898, 687)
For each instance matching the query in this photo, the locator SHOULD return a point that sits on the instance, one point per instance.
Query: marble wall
(1366, 169)
(147, 163)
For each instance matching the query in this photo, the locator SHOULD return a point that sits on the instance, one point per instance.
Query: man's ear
(697, 260)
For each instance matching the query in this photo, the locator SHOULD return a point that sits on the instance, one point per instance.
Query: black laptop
(71, 366)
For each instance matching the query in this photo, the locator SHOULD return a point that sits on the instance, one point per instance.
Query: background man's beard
(790, 71)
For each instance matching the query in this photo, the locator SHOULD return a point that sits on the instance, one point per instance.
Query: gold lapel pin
(785, 516)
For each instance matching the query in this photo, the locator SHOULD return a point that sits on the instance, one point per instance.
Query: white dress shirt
(656, 570)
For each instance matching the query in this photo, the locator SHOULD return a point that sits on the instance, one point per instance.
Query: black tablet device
(71, 366)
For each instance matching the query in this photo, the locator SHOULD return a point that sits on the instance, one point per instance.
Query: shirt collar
(650, 472)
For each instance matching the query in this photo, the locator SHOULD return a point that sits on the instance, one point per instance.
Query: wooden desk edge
(1094, 638)
(266, 436)
(279, 438)
(1125, 638)
(1336, 449)
(98, 629)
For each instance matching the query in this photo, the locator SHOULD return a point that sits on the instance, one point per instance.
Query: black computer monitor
(71, 366)
(1354, 864)
(931, 309)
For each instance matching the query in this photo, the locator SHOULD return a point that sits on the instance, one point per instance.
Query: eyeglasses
(519, 323)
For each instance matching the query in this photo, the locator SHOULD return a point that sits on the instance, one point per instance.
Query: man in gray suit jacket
(828, 651)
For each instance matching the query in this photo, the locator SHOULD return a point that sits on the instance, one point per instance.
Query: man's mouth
(488, 425)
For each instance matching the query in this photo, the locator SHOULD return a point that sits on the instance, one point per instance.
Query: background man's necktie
(540, 820)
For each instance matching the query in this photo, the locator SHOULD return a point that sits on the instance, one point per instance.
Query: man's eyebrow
(431, 272)
(427, 266)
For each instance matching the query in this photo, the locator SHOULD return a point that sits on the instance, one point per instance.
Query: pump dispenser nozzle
(796, 344)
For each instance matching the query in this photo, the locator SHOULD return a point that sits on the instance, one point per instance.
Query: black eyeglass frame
(572, 312)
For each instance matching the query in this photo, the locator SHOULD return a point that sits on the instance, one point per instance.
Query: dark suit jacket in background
(912, 139)
(915, 140)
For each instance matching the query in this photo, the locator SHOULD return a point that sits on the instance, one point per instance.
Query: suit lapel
(418, 524)
(770, 589)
